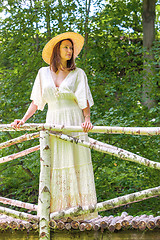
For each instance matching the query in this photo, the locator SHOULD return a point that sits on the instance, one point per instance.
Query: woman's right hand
(31, 110)
(17, 123)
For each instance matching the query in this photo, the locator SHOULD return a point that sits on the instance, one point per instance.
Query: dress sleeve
(82, 91)
(36, 94)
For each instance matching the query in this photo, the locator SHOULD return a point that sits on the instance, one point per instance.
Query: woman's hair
(55, 61)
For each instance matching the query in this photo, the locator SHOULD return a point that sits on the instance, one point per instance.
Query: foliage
(113, 61)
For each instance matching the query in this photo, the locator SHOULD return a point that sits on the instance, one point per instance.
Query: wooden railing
(62, 132)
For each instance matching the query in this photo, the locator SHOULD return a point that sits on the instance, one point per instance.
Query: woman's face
(66, 50)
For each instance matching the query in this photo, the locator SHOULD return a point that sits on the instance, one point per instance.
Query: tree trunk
(60, 20)
(47, 18)
(111, 150)
(109, 204)
(86, 29)
(148, 131)
(44, 186)
(19, 154)
(37, 38)
(149, 86)
(34, 7)
(27, 170)
(17, 214)
(17, 203)
(20, 139)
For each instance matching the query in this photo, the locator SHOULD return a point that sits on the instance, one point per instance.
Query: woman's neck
(63, 64)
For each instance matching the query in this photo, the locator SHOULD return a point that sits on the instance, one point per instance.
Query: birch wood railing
(62, 132)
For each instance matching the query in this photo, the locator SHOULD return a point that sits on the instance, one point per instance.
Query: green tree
(113, 60)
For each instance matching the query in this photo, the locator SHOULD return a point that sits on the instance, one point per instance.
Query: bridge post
(44, 187)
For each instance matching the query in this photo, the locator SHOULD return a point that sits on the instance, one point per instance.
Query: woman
(65, 89)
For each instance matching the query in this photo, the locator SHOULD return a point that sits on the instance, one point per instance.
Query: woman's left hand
(87, 125)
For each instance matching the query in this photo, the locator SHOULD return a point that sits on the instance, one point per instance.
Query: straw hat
(77, 39)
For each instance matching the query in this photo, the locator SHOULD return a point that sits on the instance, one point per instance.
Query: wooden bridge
(46, 221)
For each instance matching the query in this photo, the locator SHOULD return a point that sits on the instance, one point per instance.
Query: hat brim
(78, 42)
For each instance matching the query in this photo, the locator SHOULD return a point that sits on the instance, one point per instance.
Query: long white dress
(72, 179)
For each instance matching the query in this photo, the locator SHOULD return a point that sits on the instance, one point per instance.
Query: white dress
(72, 179)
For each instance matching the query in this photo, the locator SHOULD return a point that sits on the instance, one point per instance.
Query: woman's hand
(87, 125)
(17, 123)
(31, 110)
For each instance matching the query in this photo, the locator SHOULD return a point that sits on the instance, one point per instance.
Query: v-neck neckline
(54, 81)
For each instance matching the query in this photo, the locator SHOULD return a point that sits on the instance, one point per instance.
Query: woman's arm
(31, 110)
(87, 125)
